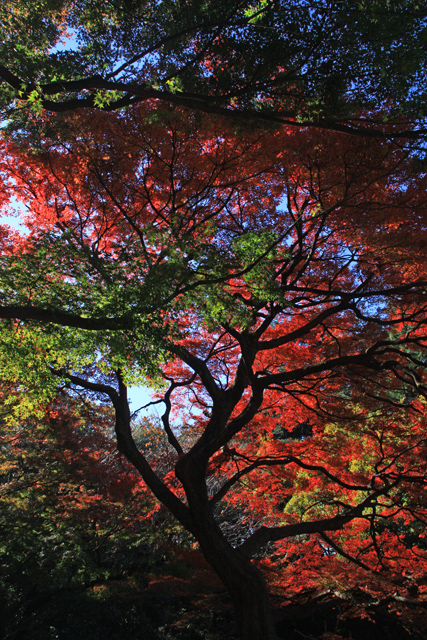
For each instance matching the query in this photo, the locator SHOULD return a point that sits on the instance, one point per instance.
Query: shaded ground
(183, 600)
(355, 616)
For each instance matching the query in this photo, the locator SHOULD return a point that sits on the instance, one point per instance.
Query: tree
(72, 512)
(263, 282)
(322, 63)
(74, 516)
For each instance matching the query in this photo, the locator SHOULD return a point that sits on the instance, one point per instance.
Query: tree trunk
(244, 583)
(254, 617)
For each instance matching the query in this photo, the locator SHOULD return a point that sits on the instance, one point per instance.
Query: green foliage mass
(251, 258)
(56, 275)
(255, 251)
(299, 59)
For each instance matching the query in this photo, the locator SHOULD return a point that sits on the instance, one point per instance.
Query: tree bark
(244, 583)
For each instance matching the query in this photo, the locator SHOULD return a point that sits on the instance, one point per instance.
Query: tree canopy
(271, 285)
(267, 282)
(76, 523)
(341, 65)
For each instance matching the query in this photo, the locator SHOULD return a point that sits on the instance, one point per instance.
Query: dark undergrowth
(183, 600)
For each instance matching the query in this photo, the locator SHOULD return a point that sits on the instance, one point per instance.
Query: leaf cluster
(311, 62)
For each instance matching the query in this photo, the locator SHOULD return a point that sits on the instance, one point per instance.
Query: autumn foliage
(271, 288)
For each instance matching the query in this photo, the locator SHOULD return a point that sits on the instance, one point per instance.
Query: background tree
(260, 281)
(322, 63)
(74, 517)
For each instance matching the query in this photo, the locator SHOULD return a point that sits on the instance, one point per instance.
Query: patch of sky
(139, 398)
(67, 42)
(14, 216)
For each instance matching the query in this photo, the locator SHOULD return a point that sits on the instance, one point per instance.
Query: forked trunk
(243, 581)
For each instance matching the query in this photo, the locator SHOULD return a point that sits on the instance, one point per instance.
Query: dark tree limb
(55, 316)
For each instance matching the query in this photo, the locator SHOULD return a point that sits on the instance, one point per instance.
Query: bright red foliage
(276, 284)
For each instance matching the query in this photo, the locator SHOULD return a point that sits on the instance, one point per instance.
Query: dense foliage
(321, 62)
(271, 285)
(268, 283)
(75, 523)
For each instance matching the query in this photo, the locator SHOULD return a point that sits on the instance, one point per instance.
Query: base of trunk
(247, 589)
